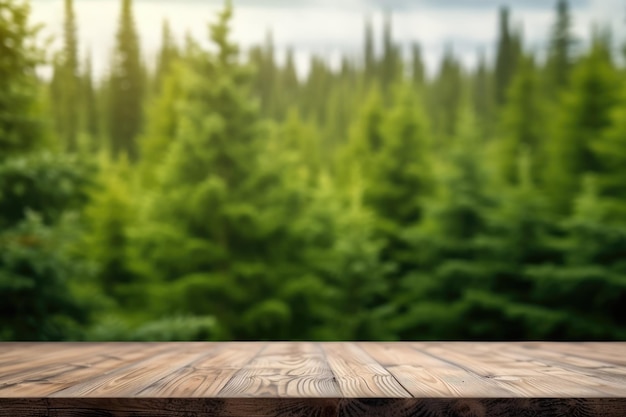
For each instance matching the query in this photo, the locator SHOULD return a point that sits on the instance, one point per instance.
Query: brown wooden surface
(429, 379)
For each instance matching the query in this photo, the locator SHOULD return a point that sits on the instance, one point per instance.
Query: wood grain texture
(525, 379)
(422, 379)
(312, 407)
(284, 370)
(359, 375)
(426, 376)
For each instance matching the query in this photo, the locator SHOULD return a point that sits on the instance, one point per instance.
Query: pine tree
(505, 57)
(66, 84)
(391, 66)
(167, 55)
(264, 84)
(215, 231)
(441, 248)
(560, 59)
(523, 125)
(369, 53)
(418, 72)
(125, 88)
(585, 115)
(610, 152)
(584, 293)
(482, 96)
(20, 120)
(90, 100)
(446, 96)
(37, 271)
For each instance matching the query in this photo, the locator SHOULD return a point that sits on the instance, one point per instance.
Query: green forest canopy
(214, 195)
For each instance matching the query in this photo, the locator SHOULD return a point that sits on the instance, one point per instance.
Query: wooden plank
(489, 407)
(132, 379)
(600, 375)
(360, 375)
(206, 376)
(169, 407)
(310, 407)
(282, 370)
(611, 352)
(425, 376)
(80, 366)
(523, 378)
(35, 355)
(428, 379)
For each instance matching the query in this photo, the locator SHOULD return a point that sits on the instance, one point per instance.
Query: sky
(331, 27)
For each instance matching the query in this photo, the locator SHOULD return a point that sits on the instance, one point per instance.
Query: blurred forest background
(215, 195)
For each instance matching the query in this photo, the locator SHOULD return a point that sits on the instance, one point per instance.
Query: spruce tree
(441, 248)
(167, 55)
(505, 57)
(446, 96)
(418, 72)
(38, 191)
(560, 53)
(66, 84)
(391, 65)
(214, 230)
(585, 115)
(126, 87)
(523, 125)
(20, 120)
(610, 152)
(90, 105)
(482, 97)
(369, 52)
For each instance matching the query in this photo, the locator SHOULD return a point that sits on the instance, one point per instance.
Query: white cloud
(322, 29)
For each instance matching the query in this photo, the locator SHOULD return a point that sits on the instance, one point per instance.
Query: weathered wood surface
(427, 379)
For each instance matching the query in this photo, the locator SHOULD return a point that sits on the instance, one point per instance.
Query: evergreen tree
(125, 88)
(399, 178)
(442, 247)
(265, 83)
(369, 52)
(215, 229)
(287, 86)
(418, 72)
(482, 97)
(38, 190)
(90, 108)
(109, 216)
(446, 96)
(391, 66)
(586, 113)
(506, 56)
(66, 84)
(610, 152)
(585, 291)
(167, 55)
(560, 57)
(523, 125)
(20, 120)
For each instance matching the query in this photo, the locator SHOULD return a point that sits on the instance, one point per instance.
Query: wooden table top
(302, 378)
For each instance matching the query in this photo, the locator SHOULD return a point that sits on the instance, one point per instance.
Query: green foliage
(508, 52)
(65, 84)
(562, 41)
(523, 125)
(37, 265)
(365, 201)
(586, 114)
(126, 87)
(20, 122)
(46, 183)
(35, 271)
(179, 328)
